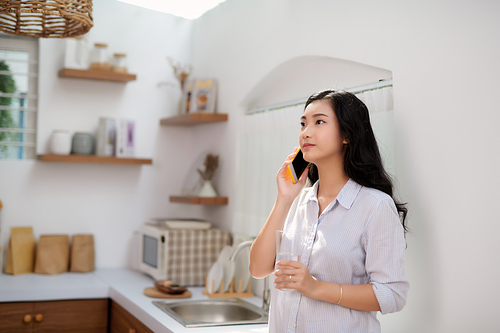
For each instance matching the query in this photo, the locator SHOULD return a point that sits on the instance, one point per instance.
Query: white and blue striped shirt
(358, 239)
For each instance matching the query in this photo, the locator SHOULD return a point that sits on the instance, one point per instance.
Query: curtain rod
(355, 90)
(372, 86)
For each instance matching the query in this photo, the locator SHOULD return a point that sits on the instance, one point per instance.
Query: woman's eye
(302, 124)
(319, 121)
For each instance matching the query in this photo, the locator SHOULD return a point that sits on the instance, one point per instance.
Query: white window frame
(29, 45)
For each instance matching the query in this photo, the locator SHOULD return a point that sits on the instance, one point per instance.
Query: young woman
(352, 262)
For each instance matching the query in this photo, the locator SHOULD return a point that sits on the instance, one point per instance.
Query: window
(18, 97)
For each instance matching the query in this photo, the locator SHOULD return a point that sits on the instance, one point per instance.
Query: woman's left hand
(295, 275)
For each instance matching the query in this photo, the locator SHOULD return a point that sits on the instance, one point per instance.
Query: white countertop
(123, 286)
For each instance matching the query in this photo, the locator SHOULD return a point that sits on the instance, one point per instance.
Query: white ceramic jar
(60, 142)
(77, 53)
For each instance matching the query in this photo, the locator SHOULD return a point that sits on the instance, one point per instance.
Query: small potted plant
(211, 164)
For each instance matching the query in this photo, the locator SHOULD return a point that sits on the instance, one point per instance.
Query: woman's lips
(307, 145)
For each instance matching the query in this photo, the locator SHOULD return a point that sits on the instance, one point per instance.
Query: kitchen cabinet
(121, 285)
(122, 321)
(96, 75)
(81, 316)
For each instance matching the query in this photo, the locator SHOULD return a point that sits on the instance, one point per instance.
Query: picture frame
(204, 96)
(186, 97)
(125, 138)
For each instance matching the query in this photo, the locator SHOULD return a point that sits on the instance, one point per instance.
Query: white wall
(444, 59)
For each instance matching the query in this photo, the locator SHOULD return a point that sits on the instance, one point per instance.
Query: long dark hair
(362, 161)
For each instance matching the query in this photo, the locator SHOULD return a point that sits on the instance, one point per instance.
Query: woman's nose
(306, 133)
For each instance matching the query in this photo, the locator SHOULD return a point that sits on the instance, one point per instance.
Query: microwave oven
(152, 255)
(179, 254)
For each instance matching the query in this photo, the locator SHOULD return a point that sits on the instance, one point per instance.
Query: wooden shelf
(96, 75)
(192, 119)
(215, 201)
(93, 159)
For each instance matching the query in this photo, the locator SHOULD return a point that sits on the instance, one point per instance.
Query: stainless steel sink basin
(214, 312)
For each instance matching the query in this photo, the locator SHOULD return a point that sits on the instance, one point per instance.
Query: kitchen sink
(231, 311)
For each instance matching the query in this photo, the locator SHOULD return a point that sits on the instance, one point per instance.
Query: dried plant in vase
(211, 164)
(181, 72)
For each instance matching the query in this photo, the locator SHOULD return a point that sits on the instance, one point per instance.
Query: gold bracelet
(340, 299)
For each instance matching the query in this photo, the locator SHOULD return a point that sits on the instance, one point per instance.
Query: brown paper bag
(52, 255)
(82, 253)
(21, 251)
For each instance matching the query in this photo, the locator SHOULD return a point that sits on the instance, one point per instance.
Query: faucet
(266, 296)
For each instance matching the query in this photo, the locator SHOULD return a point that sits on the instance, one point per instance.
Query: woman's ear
(346, 141)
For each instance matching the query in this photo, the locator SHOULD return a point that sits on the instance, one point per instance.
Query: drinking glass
(289, 246)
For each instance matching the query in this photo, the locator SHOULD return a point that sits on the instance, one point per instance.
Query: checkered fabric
(191, 253)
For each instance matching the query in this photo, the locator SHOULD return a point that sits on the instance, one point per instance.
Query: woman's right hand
(286, 188)
(263, 250)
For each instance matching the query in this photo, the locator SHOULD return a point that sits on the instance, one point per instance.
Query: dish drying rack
(231, 293)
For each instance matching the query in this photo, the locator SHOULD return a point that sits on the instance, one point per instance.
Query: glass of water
(289, 246)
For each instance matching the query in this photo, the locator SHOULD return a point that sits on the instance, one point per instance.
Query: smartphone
(297, 166)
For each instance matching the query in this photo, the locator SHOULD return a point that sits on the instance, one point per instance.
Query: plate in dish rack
(215, 274)
(227, 265)
(241, 269)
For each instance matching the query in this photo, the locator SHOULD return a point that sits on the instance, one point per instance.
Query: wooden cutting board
(153, 292)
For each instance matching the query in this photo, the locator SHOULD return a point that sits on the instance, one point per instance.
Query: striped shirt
(358, 239)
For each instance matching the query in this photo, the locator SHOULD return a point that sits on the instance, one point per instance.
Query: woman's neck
(332, 179)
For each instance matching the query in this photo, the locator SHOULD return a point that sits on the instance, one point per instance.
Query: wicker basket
(48, 19)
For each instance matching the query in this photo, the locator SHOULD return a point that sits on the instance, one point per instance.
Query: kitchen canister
(119, 63)
(99, 57)
(60, 142)
(83, 143)
(77, 53)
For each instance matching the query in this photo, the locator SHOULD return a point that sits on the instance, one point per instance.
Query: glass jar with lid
(99, 57)
(119, 63)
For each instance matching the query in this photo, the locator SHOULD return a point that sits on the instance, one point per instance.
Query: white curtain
(381, 107)
(267, 138)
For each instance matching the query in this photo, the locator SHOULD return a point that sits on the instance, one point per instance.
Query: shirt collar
(348, 193)
(313, 193)
(345, 197)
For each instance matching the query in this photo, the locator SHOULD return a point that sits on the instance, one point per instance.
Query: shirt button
(293, 325)
(297, 299)
(309, 248)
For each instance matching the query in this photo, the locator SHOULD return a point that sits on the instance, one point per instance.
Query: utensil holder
(231, 293)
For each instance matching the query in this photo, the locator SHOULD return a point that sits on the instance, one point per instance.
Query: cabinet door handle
(39, 317)
(27, 319)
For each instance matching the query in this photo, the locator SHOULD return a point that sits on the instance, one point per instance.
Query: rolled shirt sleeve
(385, 245)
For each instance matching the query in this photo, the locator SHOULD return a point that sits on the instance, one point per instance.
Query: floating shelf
(96, 75)
(94, 159)
(192, 119)
(214, 201)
